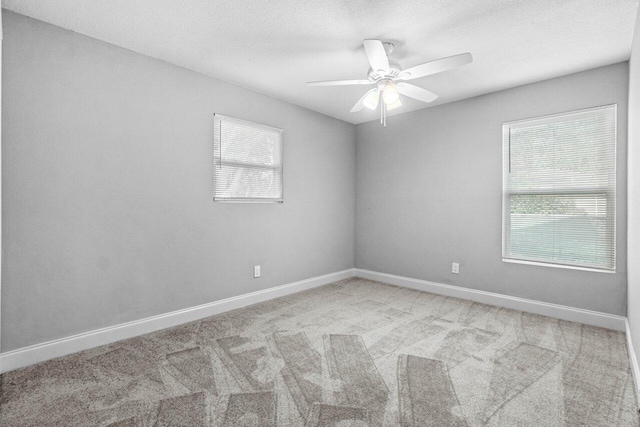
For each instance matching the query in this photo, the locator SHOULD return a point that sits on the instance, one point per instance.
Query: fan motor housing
(394, 70)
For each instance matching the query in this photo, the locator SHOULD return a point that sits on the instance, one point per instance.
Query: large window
(559, 189)
(247, 161)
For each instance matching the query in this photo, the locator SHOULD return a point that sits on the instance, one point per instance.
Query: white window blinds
(247, 161)
(560, 189)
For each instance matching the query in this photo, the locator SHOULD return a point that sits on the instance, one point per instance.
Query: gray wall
(107, 184)
(429, 193)
(633, 248)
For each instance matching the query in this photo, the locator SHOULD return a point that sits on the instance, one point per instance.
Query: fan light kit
(389, 77)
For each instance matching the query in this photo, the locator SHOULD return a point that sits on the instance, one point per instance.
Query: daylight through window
(247, 161)
(559, 189)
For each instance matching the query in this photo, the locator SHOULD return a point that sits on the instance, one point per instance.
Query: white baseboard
(635, 370)
(588, 317)
(40, 352)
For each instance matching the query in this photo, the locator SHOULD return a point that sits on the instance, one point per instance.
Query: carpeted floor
(353, 353)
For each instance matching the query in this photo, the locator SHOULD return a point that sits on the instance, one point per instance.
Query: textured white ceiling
(274, 47)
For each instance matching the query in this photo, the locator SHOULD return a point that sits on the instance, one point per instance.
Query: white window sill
(545, 264)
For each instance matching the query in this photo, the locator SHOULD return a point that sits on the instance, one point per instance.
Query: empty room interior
(340, 213)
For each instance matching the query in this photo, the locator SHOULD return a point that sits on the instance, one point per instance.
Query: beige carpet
(353, 353)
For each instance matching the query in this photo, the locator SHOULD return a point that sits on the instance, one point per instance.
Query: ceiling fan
(389, 78)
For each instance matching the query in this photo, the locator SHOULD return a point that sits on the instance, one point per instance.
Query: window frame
(610, 195)
(218, 162)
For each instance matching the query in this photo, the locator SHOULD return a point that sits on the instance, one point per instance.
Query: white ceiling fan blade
(437, 66)
(340, 83)
(416, 92)
(376, 55)
(360, 102)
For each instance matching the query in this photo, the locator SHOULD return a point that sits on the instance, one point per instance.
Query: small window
(247, 161)
(559, 189)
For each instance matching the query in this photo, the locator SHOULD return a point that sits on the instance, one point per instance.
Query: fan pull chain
(383, 113)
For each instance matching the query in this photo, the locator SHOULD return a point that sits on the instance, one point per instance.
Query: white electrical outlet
(455, 268)
(256, 271)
